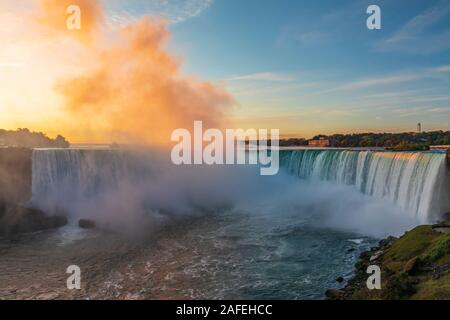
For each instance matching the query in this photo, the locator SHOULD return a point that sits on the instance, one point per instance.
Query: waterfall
(64, 179)
(415, 181)
(78, 181)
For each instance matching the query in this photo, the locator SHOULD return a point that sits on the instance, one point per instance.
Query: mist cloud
(129, 85)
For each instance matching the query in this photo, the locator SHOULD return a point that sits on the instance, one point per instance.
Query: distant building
(319, 143)
(419, 128)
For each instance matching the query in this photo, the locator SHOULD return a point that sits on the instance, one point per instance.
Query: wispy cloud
(367, 83)
(391, 94)
(264, 76)
(417, 35)
(401, 97)
(122, 12)
(391, 79)
(265, 84)
(311, 38)
(272, 89)
(430, 99)
(419, 111)
(325, 28)
(442, 69)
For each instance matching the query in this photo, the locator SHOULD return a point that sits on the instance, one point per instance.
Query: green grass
(412, 244)
(439, 249)
(433, 289)
(431, 249)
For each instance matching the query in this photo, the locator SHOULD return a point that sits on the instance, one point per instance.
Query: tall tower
(419, 127)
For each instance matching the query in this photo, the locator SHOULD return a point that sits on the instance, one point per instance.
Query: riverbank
(414, 266)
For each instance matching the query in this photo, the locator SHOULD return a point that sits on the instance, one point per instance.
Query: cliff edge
(15, 175)
(15, 193)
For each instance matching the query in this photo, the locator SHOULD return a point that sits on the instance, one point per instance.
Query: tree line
(24, 138)
(385, 140)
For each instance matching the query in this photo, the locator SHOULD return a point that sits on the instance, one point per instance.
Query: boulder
(411, 266)
(446, 216)
(20, 219)
(87, 224)
(339, 279)
(376, 255)
(443, 227)
(333, 294)
(387, 242)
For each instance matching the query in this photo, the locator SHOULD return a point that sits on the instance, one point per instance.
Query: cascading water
(67, 179)
(72, 180)
(412, 180)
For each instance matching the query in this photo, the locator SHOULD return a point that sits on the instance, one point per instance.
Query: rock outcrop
(21, 219)
(448, 159)
(15, 193)
(15, 176)
(87, 224)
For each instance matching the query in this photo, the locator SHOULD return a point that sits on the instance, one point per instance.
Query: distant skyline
(305, 67)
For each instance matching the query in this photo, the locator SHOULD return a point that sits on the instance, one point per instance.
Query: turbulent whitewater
(417, 182)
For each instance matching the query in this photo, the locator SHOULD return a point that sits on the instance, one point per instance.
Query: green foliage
(398, 287)
(412, 244)
(433, 289)
(404, 146)
(27, 139)
(439, 249)
(293, 142)
(379, 140)
(400, 280)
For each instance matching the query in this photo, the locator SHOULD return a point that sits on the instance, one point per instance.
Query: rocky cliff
(15, 192)
(15, 176)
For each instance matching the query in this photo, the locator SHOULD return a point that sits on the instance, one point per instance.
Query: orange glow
(135, 89)
(53, 15)
(124, 86)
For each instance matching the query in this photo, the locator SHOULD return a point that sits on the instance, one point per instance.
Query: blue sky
(313, 66)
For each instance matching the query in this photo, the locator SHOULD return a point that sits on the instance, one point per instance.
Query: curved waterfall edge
(417, 182)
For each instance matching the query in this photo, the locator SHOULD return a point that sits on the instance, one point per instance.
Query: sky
(305, 67)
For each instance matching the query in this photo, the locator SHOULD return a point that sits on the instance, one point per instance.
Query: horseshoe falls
(417, 182)
(226, 232)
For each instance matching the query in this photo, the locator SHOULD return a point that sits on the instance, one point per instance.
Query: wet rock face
(448, 159)
(15, 183)
(15, 176)
(446, 216)
(15, 192)
(87, 224)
